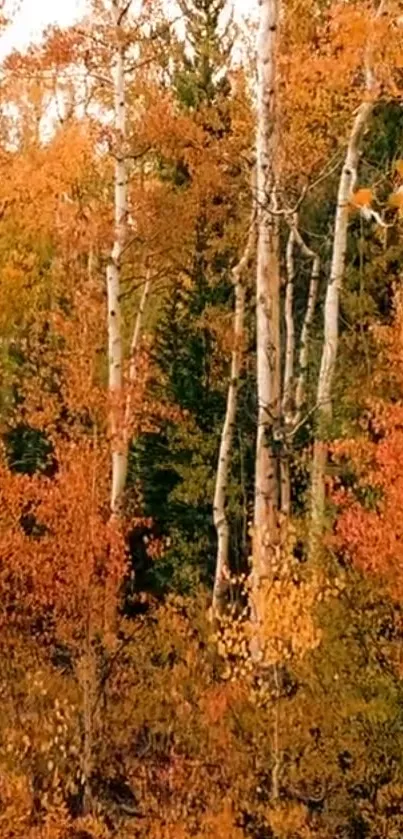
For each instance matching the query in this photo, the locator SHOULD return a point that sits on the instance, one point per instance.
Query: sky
(33, 16)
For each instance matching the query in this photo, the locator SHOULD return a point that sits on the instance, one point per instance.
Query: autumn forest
(201, 423)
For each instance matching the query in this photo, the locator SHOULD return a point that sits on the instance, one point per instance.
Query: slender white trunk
(287, 405)
(331, 316)
(134, 346)
(294, 389)
(266, 503)
(304, 341)
(222, 571)
(331, 313)
(114, 268)
(268, 274)
(288, 385)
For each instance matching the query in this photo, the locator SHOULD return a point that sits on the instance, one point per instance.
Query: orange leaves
(362, 198)
(369, 527)
(290, 820)
(323, 78)
(217, 701)
(15, 805)
(59, 548)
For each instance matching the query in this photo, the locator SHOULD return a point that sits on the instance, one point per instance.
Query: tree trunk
(266, 504)
(331, 319)
(287, 405)
(113, 273)
(222, 571)
(294, 396)
(303, 358)
(331, 313)
(88, 679)
(134, 346)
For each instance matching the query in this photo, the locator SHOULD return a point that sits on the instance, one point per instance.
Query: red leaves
(57, 542)
(369, 527)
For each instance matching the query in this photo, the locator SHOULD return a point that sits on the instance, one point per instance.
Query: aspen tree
(221, 523)
(331, 309)
(294, 381)
(120, 10)
(266, 502)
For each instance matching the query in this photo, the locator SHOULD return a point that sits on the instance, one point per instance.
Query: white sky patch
(33, 16)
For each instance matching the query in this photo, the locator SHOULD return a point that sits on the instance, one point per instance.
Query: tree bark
(114, 269)
(331, 319)
(134, 346)
(88, 679)
(294, 387)
(222, 571)
(304, 341)
(266, 503)
(331, 312)
(287, 405)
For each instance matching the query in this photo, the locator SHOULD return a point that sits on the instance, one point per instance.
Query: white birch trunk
(222, 571)
(331, 317)
(137, 332)
(267, 298)
(331, 313)
(287, 405)
(304, 341)
(331, 321)
(294, 387)
(113, 273)
(287, 401)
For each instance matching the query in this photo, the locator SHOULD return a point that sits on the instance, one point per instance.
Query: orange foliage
(322, 78)
(369, 526)
(362, 198)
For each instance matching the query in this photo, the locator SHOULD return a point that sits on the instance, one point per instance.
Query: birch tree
(134, 346)
(221, 523)
(331, 309)
(294, 380)
(305, 336)
(288, 379)
(266, 502)
(120, 9)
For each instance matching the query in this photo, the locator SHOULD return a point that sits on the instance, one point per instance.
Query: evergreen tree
(201, 76)
(182, 462)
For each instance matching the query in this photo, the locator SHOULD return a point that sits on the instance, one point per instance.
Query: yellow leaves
(221, 825)
(285, 603)
(396, 198)
(15, 802)
(289, 821)
(217, 700)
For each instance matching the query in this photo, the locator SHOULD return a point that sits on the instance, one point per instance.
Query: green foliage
(28, 450)
(200, 75)
(178, 466)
